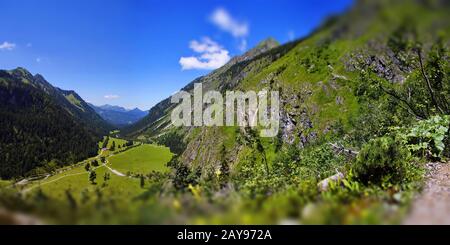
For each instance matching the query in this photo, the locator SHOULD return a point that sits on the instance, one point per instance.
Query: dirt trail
(26, 181)
(115, 171)
(432, 206)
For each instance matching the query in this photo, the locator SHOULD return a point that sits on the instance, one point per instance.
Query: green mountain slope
(69, 100)
(316, 77)
(43, 127)
(158, 117)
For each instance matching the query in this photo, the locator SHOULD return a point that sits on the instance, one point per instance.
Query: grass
(117, 141)
(74, 101)
(4, 183)
(142, 159)
(78, 184)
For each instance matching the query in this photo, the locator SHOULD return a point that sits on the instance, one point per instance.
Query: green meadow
(139, 159)
(119, 145)
(142, 159)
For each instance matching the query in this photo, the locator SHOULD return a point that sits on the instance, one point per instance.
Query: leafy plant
(427, 137)
(382, 160)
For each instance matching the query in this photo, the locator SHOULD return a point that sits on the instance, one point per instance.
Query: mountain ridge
(43, 127)
(119, 116)
(69, 99)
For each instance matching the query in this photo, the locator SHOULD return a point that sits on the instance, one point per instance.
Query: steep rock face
(314, 78)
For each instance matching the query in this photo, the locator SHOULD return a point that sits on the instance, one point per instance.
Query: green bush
(315, 162)
(383, 160)
(427, 138)
(447, 145)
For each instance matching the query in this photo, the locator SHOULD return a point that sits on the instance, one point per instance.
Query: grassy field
(4, 183)
(142, 159)
(77, 182)
(118, 142)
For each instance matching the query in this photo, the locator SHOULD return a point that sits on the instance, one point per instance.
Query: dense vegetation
(364, 96)
(365, 106)
(38, 134)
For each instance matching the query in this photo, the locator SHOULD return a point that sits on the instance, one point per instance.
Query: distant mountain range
(43, 127)
(119, 116)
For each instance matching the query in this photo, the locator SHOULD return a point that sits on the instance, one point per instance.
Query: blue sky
(134, 53)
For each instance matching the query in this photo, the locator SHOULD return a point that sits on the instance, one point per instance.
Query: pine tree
(92, 177)
(113, 146)
(94, 163)
(105, 142)
(142, 180)
(106, 176)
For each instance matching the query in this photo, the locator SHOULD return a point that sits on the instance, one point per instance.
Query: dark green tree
(113, 146)
(92, 177)
(94, 163)
(105, 142)
(106, 176)
(142, 180)
(182, 175)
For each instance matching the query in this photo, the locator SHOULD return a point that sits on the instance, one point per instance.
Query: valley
(361, 120)
(132, 160)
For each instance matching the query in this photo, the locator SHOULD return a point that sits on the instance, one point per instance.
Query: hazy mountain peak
(266, 44)
(118, 115)
(113, 108)
(260, 48)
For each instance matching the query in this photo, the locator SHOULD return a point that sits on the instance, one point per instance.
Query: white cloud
(111, 96)
(238, 29)
(226, 22)
(7, 46)
(38, 60)
(205, 46)
(211, 55)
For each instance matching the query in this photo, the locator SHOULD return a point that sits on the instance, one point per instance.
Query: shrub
(182, 176)
(174, 141)
(315, 162)
(447, 145)
(382, 160)
(427, 137)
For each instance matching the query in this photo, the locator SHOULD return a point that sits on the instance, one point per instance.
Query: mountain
(159, 115)
(119, 116)
(69, 100)
(319, 78)
(43, 127)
